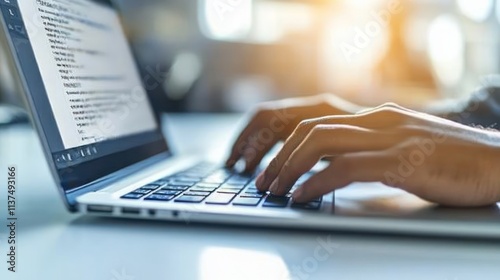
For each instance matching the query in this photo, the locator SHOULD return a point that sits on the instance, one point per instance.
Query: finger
(257, 148)
(330, 140)
(241, 142)
(387, 118)
(369, 166)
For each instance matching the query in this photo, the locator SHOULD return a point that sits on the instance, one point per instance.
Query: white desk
(53, 244)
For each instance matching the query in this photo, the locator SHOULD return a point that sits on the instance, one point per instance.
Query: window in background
(254, 21)
(446, 50)
(226, 19)
(477, 10)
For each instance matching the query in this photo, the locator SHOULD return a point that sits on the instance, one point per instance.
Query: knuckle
(316, 139)
(321, 131)
(390, 110)
(307, 124)
(325, 137)
(304, 127)
(318, 131)
(391, 105)
(390, 113)
(261, 111)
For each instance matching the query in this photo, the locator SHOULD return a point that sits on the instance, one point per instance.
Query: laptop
(109, 157)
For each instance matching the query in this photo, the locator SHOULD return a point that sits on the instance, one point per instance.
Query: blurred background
(228, 55)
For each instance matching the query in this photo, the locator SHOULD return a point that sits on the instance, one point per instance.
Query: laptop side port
(103, 209)
(131, 211)
(175, 213)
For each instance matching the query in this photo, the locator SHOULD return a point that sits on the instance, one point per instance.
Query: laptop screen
(83, 85)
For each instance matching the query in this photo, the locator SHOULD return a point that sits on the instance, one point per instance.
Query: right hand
(274, 121)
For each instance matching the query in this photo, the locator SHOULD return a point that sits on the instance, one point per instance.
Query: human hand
(438, 160)
(274, 121)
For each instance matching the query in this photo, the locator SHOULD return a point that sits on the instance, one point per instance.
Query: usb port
(99, 209)
(131, 211)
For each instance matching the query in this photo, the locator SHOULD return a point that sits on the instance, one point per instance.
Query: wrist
(491, 168)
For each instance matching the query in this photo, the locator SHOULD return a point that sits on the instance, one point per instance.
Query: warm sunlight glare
(226, 20)
(477, 10)
(446, 49)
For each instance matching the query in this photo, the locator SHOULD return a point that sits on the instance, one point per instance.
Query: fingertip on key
(297, 195)
(230, 163)
(260, 180)
(273, 188)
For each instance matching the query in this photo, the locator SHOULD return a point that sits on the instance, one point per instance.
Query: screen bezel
(79, 179)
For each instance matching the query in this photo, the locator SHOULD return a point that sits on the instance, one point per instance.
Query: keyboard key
(219, 177)
(160, 197)
(184, 181)
(151, 186)
(175, 187)
(197, 188)
(190, 199)
(143, 191)
(168, 192)
(190, 175)
(231, 186)
(213, 180)
(253, 191)
(276, 201)
(201, 172)
(238, 180)
(207, 185)
(251, 184)
(233, 190)
(318, 199)
(246, 201)
(133, 196)
(314, 205)
(162, 182)
(197, 193)
(220, 198)
(252, 195)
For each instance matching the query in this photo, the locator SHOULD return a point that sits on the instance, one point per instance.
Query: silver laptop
(109, 157)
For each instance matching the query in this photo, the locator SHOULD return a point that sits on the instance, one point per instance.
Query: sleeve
(481, 109)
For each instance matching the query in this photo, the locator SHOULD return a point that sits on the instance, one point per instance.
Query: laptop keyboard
(205, 183)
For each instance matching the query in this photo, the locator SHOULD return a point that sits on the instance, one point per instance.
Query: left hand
(438, 160)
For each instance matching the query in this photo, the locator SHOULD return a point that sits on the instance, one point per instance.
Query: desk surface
(54, 244)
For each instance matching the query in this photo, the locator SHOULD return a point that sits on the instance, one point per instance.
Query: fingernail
(260, 179)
